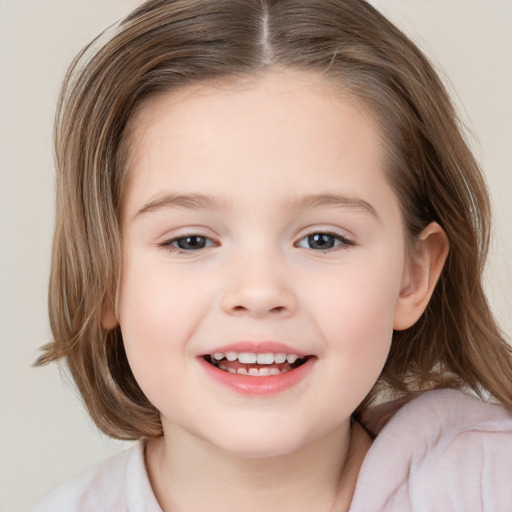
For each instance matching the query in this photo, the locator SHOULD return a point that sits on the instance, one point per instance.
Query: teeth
(265, 358)
(247, 358)
(280, 358)
(251, 358)
(231, 356)
(254, 372)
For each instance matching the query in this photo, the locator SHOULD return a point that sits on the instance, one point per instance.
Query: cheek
(356, 319)
(157, 315)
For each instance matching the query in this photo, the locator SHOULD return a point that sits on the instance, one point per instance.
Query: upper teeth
(251, 358)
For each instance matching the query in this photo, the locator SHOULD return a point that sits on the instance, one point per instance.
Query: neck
(189, 474)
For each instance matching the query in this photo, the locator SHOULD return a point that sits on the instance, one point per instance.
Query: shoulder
(445, 450)
(114, 485)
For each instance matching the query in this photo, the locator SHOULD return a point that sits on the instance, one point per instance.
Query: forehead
(281, 96)
(276, 82)
(294, 127)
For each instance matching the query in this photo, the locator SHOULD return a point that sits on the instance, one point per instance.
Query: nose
(257, 288)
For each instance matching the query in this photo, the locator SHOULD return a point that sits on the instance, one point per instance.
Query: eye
(323, 241)
(189, 243)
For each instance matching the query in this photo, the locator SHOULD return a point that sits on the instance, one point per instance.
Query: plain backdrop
(45, 434)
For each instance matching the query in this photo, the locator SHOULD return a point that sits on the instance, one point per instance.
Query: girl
(267, 268)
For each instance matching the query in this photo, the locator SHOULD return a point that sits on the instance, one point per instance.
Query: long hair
(167, 44)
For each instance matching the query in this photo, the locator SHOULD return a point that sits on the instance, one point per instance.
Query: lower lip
(258, 385)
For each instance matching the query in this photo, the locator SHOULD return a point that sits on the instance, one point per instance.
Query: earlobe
(421, 275)
(109, 319)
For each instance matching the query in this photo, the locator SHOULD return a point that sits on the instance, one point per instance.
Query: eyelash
(343, 241)
(172, 244)
(340, 242)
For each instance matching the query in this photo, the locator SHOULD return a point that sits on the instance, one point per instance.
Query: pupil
(192, 242)
(321, 241)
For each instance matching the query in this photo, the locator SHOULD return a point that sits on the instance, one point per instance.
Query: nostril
(258, 302)
(259, 311)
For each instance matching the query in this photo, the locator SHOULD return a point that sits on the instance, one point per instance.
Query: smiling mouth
(255, 365)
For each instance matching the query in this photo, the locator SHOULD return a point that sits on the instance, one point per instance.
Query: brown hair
(165, 44)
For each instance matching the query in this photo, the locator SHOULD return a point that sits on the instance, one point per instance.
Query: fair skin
(295, 238)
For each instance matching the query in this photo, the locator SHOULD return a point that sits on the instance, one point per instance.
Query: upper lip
(256, 347)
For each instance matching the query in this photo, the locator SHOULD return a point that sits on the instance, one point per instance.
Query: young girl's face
(258, 221)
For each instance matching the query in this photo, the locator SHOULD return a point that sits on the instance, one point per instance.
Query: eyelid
(168, 243)
(345, 241)
(184, 231)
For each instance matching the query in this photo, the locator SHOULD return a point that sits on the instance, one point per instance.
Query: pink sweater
(442, 452)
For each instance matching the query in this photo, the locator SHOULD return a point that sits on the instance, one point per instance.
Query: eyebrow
(187, 201)
(326, 200)
(206, 202)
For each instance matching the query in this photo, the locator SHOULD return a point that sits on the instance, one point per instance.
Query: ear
(109, 319)
(421, 273)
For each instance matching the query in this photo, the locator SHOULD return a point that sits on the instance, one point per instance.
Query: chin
(263, 450)
(263, 443)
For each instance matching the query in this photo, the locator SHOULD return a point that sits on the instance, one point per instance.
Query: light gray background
(45, 434)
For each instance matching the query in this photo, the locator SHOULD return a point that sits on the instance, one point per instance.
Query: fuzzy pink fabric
(442, 452)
